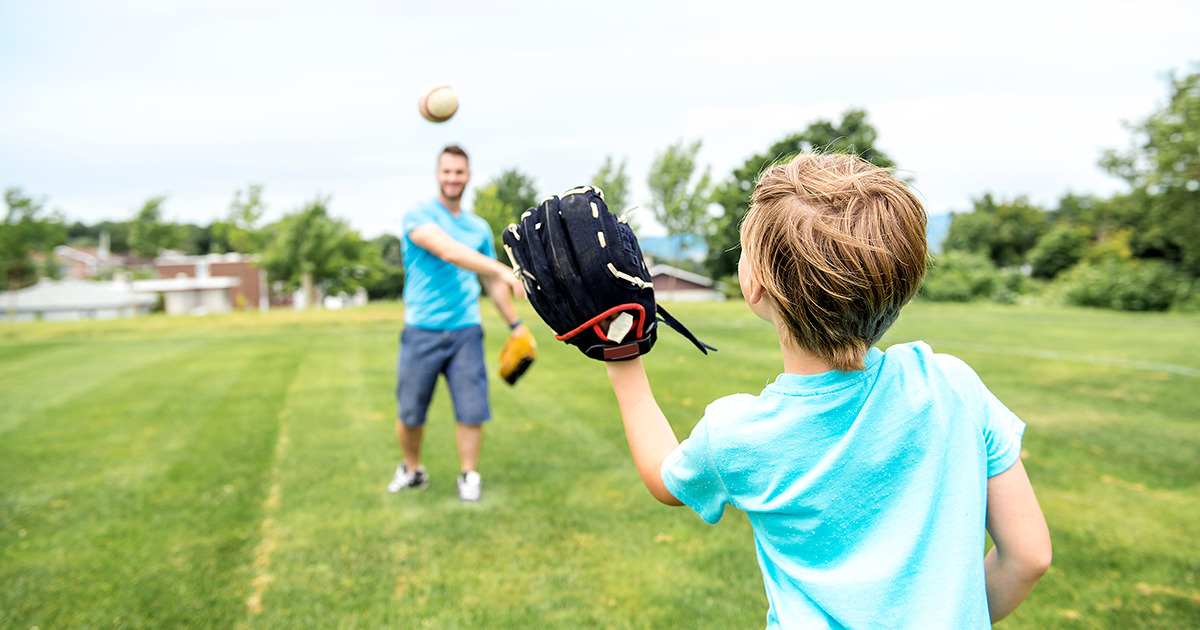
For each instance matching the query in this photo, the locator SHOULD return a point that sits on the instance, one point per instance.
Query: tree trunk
(306, 284)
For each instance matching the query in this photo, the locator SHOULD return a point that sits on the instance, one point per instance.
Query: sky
(105, 104)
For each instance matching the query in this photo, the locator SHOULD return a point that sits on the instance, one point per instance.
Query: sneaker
(469, 486)
(405, 480)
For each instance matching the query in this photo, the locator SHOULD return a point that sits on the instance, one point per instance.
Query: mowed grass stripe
(331, 473)
(38, 374)
(145, 489)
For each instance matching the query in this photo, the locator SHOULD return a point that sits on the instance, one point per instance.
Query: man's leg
(467, 376)
(470, 440)
(410, 444)
(417, 368)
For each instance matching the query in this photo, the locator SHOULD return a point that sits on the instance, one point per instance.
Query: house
(73, 299)
(192, 283)
(677, 285)
(78, 262)
(90, 263)
(185, 295)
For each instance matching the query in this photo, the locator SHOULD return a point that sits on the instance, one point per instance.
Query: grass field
(229, 472)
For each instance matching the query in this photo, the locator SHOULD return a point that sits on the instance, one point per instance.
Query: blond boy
(869, 477)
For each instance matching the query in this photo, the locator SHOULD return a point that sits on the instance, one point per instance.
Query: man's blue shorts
(424, 354)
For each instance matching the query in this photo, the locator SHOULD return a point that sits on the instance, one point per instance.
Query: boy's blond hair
(839, 246)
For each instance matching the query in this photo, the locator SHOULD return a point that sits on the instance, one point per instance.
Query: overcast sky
(104, 104)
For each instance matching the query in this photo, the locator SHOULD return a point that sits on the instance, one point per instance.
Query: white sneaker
(469, 486)
(405, 480)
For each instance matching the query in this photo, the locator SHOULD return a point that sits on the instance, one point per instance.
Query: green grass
(229, 472)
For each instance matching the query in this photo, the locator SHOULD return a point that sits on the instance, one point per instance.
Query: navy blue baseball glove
(584, 274)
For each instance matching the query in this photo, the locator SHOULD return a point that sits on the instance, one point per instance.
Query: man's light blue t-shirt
(437, 294)
(867, 491)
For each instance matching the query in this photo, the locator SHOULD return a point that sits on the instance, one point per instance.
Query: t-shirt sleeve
(488, 246)
(415, 218)
(1002, 432)
(689, 475)
(1002, 429)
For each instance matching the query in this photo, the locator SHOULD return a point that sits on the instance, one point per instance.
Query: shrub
(1058, 250)
(960, 276)
(1127, 285)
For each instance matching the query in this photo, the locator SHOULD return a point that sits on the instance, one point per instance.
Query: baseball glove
(584, 274)
(517, 355)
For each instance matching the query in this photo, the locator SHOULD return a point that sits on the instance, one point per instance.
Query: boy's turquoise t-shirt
(437, 294)
(867, 491)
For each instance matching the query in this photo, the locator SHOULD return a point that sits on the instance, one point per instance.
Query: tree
(194, 239)
(240, 232)
(678, 204)
(27, 230)
(1163, 164)
(502, 201)
(852, 135)
(390, 284)
(310, 249)
(1004, 232)
(611, 178)
(147, 233)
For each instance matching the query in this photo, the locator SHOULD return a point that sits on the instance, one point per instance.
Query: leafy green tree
(1004, 232)
(240, 231)
(148, 234)
(27, 230)
(118, 234)
(312, 250)
(82, 235)
(1163, 167)
(194, 239)
(390, 284)
(612, 179)
(501, 202)
(853, 134)
(516, 190)
(678, 204)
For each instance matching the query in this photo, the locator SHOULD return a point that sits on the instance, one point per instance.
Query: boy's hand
(581, 264)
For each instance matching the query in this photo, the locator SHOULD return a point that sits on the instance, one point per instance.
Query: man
(447, 253)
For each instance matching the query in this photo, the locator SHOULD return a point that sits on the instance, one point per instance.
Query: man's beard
(457, 197)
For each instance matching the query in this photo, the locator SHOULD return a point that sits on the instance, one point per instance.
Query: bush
(1058, 250)
(1127, 285)
(960, 276)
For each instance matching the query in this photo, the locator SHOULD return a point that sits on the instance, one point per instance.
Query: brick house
(248, 292)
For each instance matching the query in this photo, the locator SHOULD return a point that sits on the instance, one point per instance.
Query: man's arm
(501, 291)
(434, 240)
(650, 436)
(1021, 554)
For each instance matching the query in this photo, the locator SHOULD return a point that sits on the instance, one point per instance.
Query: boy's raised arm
(1021, 554)
(650, 436)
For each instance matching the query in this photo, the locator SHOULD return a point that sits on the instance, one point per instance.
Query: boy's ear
(756, 289)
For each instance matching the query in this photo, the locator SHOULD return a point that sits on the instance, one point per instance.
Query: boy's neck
(797, 360)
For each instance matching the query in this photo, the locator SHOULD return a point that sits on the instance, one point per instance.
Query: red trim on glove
(595, 321)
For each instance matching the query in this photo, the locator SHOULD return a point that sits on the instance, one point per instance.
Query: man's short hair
(839, 246)
(454, 149)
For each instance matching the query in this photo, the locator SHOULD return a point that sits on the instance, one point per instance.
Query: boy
(869, 477)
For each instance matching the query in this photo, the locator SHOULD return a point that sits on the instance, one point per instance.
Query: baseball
(438, 104)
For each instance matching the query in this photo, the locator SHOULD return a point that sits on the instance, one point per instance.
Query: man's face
(453, 173)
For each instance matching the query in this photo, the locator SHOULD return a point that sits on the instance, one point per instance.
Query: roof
(694, 278)
(186, 283)
(72, 293)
